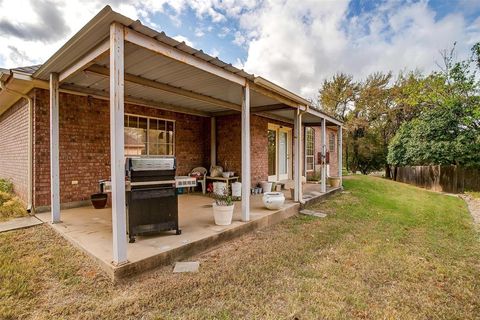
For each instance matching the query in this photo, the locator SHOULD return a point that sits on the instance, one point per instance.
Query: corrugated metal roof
(98, 29)
(27, 70)
(146, 64)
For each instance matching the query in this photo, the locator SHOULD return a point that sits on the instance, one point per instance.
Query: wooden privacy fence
(452, 179)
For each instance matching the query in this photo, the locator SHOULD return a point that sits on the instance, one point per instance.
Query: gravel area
(473, 207)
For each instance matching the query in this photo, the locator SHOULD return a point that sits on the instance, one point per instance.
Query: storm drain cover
(187, 266)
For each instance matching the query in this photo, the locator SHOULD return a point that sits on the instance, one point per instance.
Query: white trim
(339, 153)
(117, 153)
(85, 61)
(324, 116)
(306, 155)
(54, 149)
(323, 181)
(246, 153)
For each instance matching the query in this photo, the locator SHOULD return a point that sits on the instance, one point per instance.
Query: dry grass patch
(386, 250)
(10, 205)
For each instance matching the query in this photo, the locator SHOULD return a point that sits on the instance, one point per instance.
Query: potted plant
(223, 207)
(334, 182)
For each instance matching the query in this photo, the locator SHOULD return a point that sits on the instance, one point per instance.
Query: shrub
(6, 186)
(12, 208)
(4, 197)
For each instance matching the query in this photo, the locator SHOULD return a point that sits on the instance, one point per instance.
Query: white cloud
(181, 38)
(299, 46)
(295, 44)
(239, 39)
(199, 32)
(214, 52)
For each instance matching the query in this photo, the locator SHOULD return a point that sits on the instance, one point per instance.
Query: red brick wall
(85, 144)
(229, 145)
(333, 166)
(318, 148)
(14, 147)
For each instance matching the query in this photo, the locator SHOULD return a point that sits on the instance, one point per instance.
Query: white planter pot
(266, 186)
(223, 214)
(273, 200)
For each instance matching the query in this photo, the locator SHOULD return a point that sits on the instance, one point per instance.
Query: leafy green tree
(447, 131)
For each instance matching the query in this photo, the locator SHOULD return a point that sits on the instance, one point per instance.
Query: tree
(447, 131)
(337, 95)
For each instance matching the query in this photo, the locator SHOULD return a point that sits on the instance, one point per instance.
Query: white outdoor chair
(202, 180)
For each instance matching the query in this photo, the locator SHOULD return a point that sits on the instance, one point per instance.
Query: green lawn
(386, 251)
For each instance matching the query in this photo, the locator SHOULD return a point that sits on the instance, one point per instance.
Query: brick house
(200, 109)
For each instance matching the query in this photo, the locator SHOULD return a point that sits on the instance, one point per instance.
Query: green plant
(223, 199)
(4, 197)
(6, 185)
(11, 208)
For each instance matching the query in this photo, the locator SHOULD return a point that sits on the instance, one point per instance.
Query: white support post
(117, 153)
(295, 156)
(246, 153)
(323, 182)
(301, 159)
(339, 153)
(54, 149)
(297, 167)
(213, 141)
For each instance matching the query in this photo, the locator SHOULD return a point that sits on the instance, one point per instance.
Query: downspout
(30, 144)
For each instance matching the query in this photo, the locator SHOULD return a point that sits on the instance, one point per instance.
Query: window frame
(308, 156)
(148, 118)
(332, 139)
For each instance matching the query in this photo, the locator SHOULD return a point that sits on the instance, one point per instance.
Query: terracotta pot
(334, 182)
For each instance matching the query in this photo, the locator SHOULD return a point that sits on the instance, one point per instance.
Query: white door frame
(277, 176)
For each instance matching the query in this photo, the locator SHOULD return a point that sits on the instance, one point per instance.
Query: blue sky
(216, 38)
(294, 43)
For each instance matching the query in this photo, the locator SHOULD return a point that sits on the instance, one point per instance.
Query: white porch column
(339, 153)
(213, 141)
(323, 182)
(117, 153)
(297, 167)
(246, 184)
(54, 149)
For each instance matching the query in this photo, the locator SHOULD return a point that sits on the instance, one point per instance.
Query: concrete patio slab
(91, 231)
(19, 223)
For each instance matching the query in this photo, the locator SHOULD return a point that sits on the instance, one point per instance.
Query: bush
(10, 205)
(12, 208)
(6, 186)
(4, 197)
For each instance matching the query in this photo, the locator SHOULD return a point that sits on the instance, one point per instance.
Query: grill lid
(150, 164)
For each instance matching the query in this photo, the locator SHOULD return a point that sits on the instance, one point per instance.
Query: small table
(228, 180)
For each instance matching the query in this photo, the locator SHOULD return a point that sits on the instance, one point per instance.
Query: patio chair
(202, 179)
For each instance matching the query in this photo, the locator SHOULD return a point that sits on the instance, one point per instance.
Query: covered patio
(90, 230)
(120, 60)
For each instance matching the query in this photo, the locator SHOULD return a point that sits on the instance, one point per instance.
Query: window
(149, 136)
(310, 148)
(331, 142)
(272, 152)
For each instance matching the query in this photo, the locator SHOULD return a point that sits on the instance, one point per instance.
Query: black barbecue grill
(152, 204)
